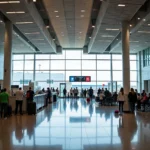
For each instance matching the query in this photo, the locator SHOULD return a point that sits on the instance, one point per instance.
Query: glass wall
(51, 70)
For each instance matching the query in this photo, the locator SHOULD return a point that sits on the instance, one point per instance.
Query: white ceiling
(71, 27)
(112, 20)
(70, 24)
(42, 45)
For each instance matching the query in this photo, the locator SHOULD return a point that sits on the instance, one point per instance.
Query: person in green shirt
(4, 98)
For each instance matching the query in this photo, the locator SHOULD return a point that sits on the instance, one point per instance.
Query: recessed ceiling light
(47, 27)
(80, 32)
(134, 41)
(139, 18)
(144, 19)
(57, 16)
(143, 31)
(108, 29)
(6, 2)
(82, 10)
(93, 26)
(111, 36)
(117, 39)
(34, 0)
(56, 11)
(54, 39)
(1, 21)
(24, 22)
(38, 39)
(148, 24)
(121, 5)
(15, 12)
(82, 16)
(130, 25)
(33, 33)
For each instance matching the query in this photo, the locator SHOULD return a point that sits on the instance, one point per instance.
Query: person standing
(49, 95)
(29, 96)
(19, 101)
(4, 99)
(91, 93)
(121, 99)
(71, 92)
(132, 100)
(64, 92)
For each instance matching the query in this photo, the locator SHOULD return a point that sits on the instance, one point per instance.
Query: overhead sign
(79, 79)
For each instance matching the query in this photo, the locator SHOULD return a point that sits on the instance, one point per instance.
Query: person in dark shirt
(91, 92)
(30, 95)
(132, 100)
(49, 95)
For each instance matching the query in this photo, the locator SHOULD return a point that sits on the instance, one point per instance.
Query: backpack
(28, 94)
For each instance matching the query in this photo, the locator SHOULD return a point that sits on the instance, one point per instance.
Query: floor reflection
(76, 125)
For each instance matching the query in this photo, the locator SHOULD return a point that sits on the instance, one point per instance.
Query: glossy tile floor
(76, 125)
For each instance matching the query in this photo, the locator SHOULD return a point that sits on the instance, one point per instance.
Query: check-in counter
(39, 99)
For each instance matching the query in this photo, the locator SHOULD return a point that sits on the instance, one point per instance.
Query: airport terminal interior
(71, 47)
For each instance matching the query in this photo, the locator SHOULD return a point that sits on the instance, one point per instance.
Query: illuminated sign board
(79, 79)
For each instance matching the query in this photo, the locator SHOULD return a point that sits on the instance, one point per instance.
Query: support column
(126, 61)
(7, 55)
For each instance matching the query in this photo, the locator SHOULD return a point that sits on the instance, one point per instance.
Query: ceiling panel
(71, 26)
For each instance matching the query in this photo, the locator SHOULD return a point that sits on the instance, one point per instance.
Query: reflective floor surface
(76, 125)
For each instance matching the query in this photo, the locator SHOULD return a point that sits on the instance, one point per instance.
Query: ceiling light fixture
(54, 39)
(15, 12)
(1, 21)
(34, 0)
(82, 10)
(24, 22)
(37, 39)
(144, 19)
(6, 2)
(56, 11)
(47, 27)
(139, 18)
(108, 29)
(32, 33)
(143, 31)
(121, 5)
(82, 16)
(93, 26)
(134, 41)
(90, 37)
(57, 16)
(130, 25)
(111, 36)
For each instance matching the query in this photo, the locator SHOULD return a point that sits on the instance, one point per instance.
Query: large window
(51, 70)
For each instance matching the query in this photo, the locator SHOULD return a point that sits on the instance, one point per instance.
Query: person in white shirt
(121, 99)
(19, 100)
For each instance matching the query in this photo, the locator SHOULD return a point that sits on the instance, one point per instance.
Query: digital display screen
(79, 79)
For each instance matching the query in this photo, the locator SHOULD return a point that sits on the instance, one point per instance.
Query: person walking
(4, 99)
(19, 101)
(132, 100)
(121, 99)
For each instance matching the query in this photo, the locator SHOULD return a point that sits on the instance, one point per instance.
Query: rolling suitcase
(88, 99)
(31, 108)
(54, 98)
(9, 110)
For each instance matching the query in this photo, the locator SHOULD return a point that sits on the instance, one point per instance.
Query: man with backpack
(30, 95)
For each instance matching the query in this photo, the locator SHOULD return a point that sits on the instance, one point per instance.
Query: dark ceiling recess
(42, 11)
(94, 15)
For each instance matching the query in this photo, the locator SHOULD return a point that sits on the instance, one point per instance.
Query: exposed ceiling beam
(137, 21)
(100, 17)
(38, 20)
